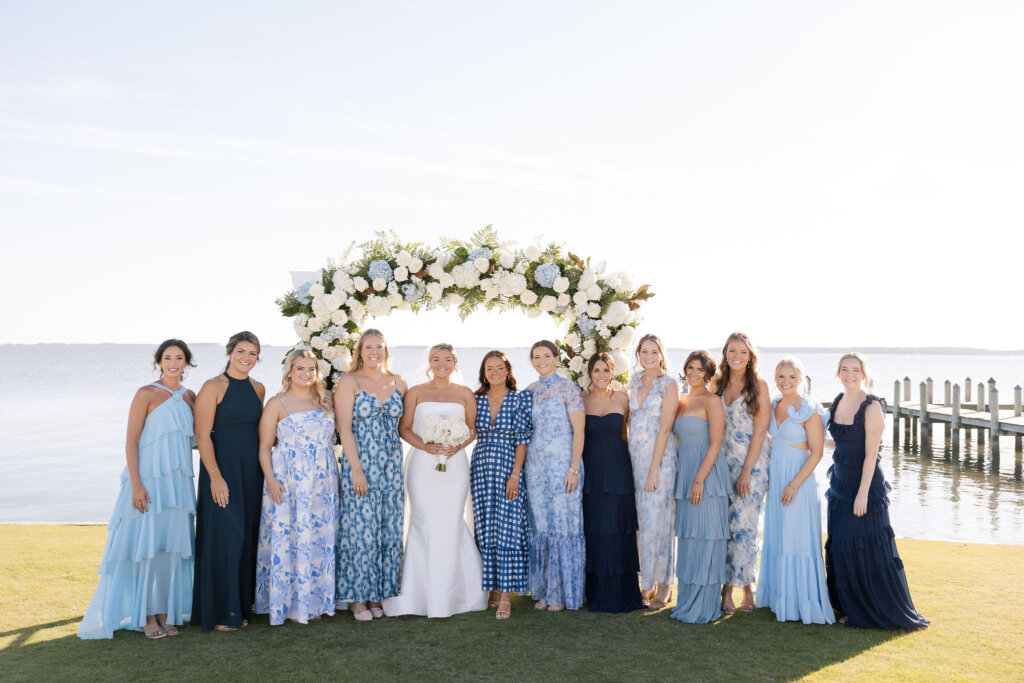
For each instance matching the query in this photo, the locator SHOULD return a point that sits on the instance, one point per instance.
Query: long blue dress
(609, 518)
(744, 513)
(147, 563)
(702, 530)
(557, 546)
(370, 526)
(295, 577)
(226, 537)
(866, 581)
(656, 510)
(500, 524)
(792, 581)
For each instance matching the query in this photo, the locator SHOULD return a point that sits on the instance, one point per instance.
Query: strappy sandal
(728, 607)
(377, 611)
(658, 603)
(493, 599)
(540, 604)
(169, 630)
(154, 632)
(503, 612)
(556, 608)
(225, 629)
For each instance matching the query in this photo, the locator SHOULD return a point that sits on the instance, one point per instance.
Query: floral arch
(597, 310)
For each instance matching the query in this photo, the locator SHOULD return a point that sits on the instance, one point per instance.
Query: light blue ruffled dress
(147, 563)
(557, 569)
(702, 530)
(792, 579)
(295, 560)
(655, 510)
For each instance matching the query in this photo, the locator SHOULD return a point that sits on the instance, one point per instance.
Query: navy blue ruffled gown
(866, 581)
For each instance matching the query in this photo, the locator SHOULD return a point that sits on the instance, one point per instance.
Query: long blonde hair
(321, 397)
(357, 353)
(869, 380)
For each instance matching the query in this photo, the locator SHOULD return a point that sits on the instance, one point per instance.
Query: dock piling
(954, 423)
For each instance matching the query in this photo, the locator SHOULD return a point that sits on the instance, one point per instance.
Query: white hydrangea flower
(345, 356)
(507, 259)
(563, 300)
(594, 292)
(318, 343)
(576, 364)
(617, 314)
(522, 266)
(548, 303)
(589, 277)
(325, 367)
(561, 284)
(465, 275)
(392, 287)
(482, 264)
(339, 364)
(580, 299)
(513, 284)
(380, 284)
(594, 311)
(447, 280)
(572, 339)
(625, 336)
(403, 258)
(528, 298)
(395, 299)
(443, 257)
(378, 306)
(339, 317)
(435, 271)
(360, 284)
(401, 274)
(434, 291)
(342, 282)
(415, 265)
(533, 252)
(613, 281)
(356, 310)
(602, 329)
(452, 301)
(404, 305)
(300, 320)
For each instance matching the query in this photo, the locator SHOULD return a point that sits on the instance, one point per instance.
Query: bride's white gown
(441, 568)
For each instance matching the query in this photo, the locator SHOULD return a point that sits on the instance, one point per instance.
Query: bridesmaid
(746, 454)
(792, 580)
(702, 490)
(503, 428)
(367, 406)
(299, 524)
(228, 410)
(866, 581)
(146, 570)
(553, 475)
(653, 399)
(609, 505)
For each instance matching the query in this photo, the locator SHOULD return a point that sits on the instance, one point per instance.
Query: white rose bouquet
(446, 430)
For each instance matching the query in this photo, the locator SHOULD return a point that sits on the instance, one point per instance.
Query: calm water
(65, 438)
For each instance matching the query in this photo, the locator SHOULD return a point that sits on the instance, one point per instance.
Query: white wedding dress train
(441, 569)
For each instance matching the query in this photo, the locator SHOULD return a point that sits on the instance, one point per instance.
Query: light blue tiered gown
(295, 561)
(147, 563)
(702, 530)
(792, 579)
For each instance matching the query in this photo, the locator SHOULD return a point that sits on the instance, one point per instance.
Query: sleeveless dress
(744, 513)
(147, 563)
(441, 568)
(609, 518)
(702, 530)
(792, 581)
(866, 581)
(557, 546)
(226, 538)
(500, 524)
(656, 510)
(370, 526)
(295, 562)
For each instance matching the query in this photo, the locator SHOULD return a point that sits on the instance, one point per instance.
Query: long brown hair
(321, 397)
(238, 338)
(751, 390)
(357, 353)
(656, 340)
(510, 380)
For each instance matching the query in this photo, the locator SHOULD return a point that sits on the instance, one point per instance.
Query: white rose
(522, 266)
(380, 284)
(617, 314)
(594, 311)
(415, 266)
(621, 361)
(594, 292)
(339, 317)
(318, 343)
(534, 313)
(528, 298)
(330, 353)
(584, 382)
(325, 367)
(304, 334)
(548, 303)
(580, 298)
(316, 290)
(576, 363)
(333, 301)
(443, 257)
(561, 284)
(401, 274)
(394, 298)
(404, 305)
(533, 252)
(507, 259)
(447, 280)
(435, 271)
(572, 339)
(339, 364)
(613, 281)
(602, 330)
(482, 264)
(392, 287)
(434, 291)
(316, 324)
(356, 310)
(627, 335)
(589, 345)
(360, 284)
(342, 282)
(378, 306)
(345, 356)
(403, 258)
(626, 282)
(587, 353)
(452, 301)
(563, 373)
(589, 277)
(563, 300)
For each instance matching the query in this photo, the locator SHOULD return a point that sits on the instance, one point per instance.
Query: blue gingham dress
(500, 524)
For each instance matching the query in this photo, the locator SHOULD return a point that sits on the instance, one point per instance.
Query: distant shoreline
(894, 350)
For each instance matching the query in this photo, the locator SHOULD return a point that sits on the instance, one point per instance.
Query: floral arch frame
(597, 310)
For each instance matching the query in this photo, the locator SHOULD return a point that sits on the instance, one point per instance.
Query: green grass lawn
(969, 591)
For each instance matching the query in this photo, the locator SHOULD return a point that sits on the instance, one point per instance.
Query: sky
(812, 173)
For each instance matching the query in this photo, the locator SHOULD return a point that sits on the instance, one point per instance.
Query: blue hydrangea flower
(380, 269)
(412, 293)
(546, 274)
(482, 252)
(302, 293)
(585, 324)
(333, 332)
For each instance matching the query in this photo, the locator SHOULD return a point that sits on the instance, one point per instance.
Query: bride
(442, 567)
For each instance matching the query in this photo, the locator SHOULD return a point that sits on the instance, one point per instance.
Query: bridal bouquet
(446, 430)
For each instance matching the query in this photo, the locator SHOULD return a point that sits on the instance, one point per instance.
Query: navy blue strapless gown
(609, 518)
(866, 581)
(227, 538)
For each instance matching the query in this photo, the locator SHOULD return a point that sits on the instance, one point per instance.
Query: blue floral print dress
(557, 545)
(296, 554)
(656, 510)
(500, 524)
(370, 526)
(744, 513)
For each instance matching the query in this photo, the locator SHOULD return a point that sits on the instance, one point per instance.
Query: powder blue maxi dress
(792, 581)
(557, 545)
(147, 563)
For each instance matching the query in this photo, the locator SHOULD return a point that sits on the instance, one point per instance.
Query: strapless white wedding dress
(441, 569)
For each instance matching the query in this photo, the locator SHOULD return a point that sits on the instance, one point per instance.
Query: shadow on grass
(531, 645)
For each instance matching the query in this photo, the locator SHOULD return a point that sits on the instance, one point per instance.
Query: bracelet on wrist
(214, 471)
(574, 471)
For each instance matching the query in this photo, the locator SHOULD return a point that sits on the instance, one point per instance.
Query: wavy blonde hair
(357, 353)
(321, 397)
(869, 379)
(792, 362)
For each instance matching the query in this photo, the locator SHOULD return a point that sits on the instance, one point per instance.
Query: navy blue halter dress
(866, 581)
